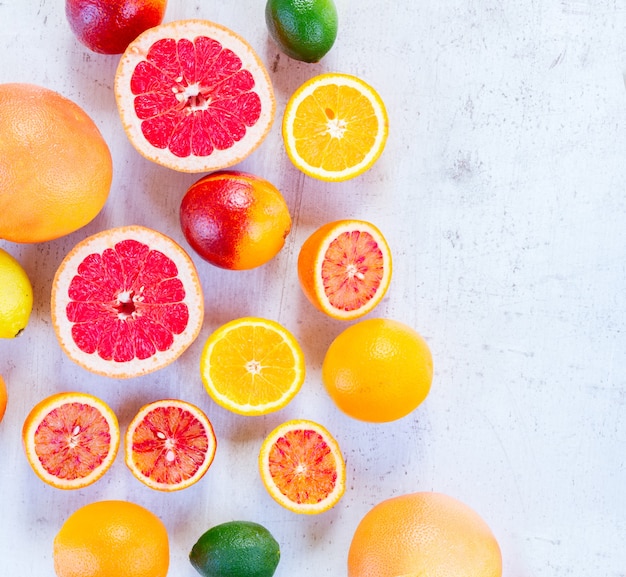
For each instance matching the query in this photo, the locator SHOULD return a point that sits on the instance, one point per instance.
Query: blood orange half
(344, 268)
(194, 96)
(302, 467)
(169, 445)
(126, 302)
(71, 439)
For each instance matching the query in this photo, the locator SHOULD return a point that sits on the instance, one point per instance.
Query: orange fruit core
(303, 467)
(352, 270)
(72, 440)
(180, 92)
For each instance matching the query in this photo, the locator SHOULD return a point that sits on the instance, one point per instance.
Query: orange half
(71, 439)
(335, 127)
(302, 467)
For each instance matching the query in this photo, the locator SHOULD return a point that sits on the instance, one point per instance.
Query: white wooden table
(501, 192)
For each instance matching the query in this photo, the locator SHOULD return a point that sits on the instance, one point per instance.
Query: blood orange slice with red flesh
(71, 439)
(194, 96)
(126, 302)
(169, 445)
(344, 268)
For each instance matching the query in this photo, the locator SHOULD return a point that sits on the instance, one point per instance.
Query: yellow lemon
(16, 296)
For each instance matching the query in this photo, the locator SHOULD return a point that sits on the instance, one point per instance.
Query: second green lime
(303, 29)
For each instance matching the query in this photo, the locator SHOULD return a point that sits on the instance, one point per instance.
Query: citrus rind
(308, 90)
(332, 498)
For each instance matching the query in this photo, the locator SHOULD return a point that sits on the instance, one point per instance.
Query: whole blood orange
(169, 445)
(55, 167)
(235, 220)
(378, 370)
(344, 268)
(423, 534)
(109, 26)
(107, 538)
(194, 96)
(126, 302)
(71, 439)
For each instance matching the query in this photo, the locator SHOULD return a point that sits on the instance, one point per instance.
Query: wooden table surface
(501, 193)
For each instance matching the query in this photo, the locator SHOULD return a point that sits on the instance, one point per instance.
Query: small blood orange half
(169, 445)
(302, 467)
(71, 439)
(344, 268)
(126, 302)
(194, 96)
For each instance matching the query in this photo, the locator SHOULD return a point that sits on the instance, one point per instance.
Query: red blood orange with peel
(71, 439)
(194, 96)
(170, 445)
(344, 268)
(126, 302)
(302, 467)
(109, 26)
(235, 220)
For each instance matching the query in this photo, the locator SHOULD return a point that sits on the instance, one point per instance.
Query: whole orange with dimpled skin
(235, 220)
(55, 167)
(423, 535)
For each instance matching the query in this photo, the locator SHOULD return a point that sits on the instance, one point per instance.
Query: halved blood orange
(344, 268)
(71, 439)
(126, 302)
(302, 467)
(169, 445)
(194, 96)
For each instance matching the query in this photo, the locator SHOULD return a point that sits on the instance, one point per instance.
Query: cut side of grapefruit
(302, 467)
(194, 96)
(71, 439)
(169, 445)
(345, 268)
(126, 302)
(252, 366)
(335, 127)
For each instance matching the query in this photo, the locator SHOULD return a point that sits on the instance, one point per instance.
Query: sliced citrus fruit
(302, 467)
(169, 445)
(344, 268)
(194, 96)
(252, 366)
(126, 302)
(335, 127)
(71, 439)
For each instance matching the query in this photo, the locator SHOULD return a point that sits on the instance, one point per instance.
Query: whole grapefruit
(55, 166)
(235, 220)
(423, 534)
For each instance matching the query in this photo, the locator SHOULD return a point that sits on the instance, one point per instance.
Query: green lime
(236, 549)
(304, 29)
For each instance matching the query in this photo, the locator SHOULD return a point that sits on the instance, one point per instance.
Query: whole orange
(378, 370)
(428, 534)
(109, 26)
(107, 538)
(55, 167)
(3, 398)
(235, 220)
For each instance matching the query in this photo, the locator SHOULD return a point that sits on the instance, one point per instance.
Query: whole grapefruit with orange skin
(109, 26)
(55, 166)
(235, 220)
(423, 534)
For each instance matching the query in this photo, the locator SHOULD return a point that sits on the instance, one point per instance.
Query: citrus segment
(423, 534)
(334, 127)
(107, 538)
(55, 166)
(193, 96)
(169, 445)
(302, 467)
(126, 302)
(252, 366)
(71, 439)
(345, 268)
